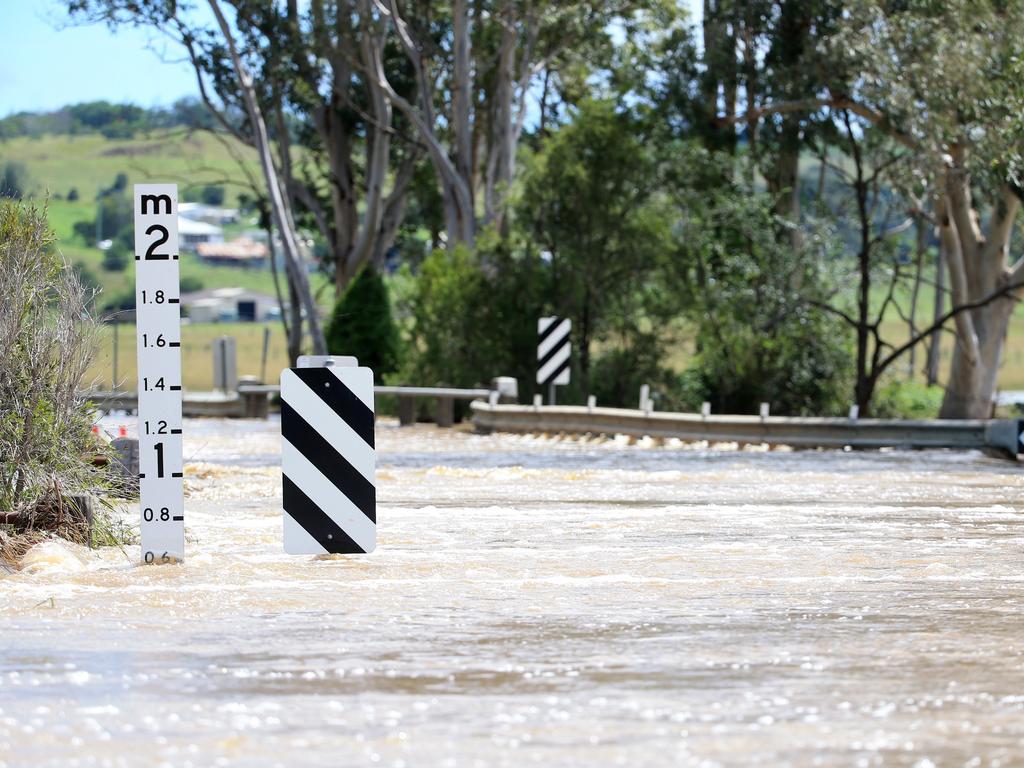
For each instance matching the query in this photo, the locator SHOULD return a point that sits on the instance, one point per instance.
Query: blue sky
(46, 63)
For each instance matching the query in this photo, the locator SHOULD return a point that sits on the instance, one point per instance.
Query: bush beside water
(47, 337)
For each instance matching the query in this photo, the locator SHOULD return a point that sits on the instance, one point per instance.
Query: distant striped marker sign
(553, 350)
(328, 460)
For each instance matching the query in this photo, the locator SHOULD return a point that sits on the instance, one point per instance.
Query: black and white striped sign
(158, 336)
(553, 350)
(328, 459)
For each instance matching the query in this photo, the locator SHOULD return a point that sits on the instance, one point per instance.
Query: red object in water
(122, 432)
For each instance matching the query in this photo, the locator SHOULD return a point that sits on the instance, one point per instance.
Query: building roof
(199, 211)
(210, 295)
(188, 226)
(241, 250)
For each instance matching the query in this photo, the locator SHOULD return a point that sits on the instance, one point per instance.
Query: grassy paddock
(196, 354)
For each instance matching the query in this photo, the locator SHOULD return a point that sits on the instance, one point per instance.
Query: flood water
(542, 602)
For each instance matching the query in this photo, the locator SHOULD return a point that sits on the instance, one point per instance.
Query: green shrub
(47, 340)
(619, 372)
(116, 258)
(212, 194)
(361, 324)
(759, 337)
(13, 180)
(189, 284)
(906, 400)
(473, 316)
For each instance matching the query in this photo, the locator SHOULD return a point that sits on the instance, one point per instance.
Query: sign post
(554, 350)
(328, 460)
(158, 340)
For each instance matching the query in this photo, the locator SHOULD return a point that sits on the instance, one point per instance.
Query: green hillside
(88, 163)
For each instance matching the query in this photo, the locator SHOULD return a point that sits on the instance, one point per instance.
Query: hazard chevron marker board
(553, 350)
(328, 460)
(158, 337)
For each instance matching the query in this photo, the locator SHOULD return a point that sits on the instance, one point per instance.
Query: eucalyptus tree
(947, 80)
(943, 79)
(589, 199)
(303, 68)
(476, 65)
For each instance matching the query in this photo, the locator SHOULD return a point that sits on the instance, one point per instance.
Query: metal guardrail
(251, 400)
(1000, 435)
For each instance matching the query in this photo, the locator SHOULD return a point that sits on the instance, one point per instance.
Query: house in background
(241, 252)
(211, 214)
(227, 305)
(192, 234)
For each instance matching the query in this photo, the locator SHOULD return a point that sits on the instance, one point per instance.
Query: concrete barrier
(998, 435)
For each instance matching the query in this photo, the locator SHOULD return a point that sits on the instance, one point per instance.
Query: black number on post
(164, 236)
(161, 428)
(148, 557)
(159, 459)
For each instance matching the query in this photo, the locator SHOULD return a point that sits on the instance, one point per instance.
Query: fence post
(645, 397)
(225, 364)
(255, 405)
(445, 414)
(406, 411)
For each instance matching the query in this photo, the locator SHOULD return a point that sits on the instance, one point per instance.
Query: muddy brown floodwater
(542, 602)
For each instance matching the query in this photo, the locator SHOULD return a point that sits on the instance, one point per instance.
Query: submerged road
(542, 602)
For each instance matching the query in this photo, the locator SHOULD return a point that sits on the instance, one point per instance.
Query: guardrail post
(765, 410)
(538, 400)
(645, 397)
(507, 388)
(591, 402)
(445, 414)
(406, 411)
(854, 412)
(255, 405)
(705, 409)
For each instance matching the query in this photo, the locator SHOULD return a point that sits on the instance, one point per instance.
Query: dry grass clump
(46, 344)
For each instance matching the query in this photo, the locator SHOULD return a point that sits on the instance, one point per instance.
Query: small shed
(229, 305)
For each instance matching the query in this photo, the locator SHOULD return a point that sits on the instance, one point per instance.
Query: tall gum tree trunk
(978, 268)
(971, 389)
(279, 205)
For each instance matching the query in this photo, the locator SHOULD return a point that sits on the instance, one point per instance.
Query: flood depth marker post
(553, 353)
(158, 340)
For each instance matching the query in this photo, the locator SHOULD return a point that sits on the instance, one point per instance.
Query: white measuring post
(328, 460)
(158, 340)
